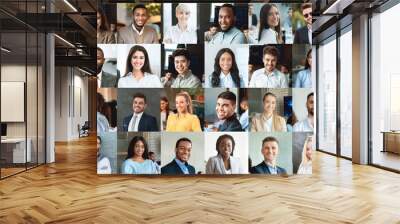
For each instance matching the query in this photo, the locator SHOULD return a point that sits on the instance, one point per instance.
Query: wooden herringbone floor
(69, 191)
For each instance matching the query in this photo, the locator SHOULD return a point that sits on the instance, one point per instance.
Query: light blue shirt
(303, 79)
(272, 170)
(182, 165)
(232, 36)
(132, 167)
(244, 120)
(102, 123)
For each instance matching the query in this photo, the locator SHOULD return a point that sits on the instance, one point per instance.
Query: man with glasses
(304, 34)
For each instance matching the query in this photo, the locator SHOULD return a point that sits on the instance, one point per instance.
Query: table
(15, 148)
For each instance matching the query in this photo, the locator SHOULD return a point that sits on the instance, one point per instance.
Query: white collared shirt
(226, 80)
(137, 31)
(148, 81)
(275, 79)
(310, 35)
(136, 127)
(303, 126)
(175, 35)
(268, 36)
(99, 76)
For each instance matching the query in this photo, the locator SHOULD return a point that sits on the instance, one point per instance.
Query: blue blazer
(263, 169)
(173, 168)
(146, 123)
(301, 36)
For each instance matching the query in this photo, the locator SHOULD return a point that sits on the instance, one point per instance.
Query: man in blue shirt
(270, 151)
(180, 165)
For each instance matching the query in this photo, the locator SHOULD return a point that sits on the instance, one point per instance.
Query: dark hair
(151, 153)
(104, 26)
(213, 25)
(146, 66)
(307, 65)
(222, 137)
(165, 99)
(305, 6)
(310, 95)
(100, 102)
(139, 6)
(226, 5)
(131, 147)
(181, 52)
(139, 95)
(217, 69)
(98, 137)
(228, 95)
(270, 139)
(268, 94)
(99, 49)
(182, 140)
(264, 12)
(271, 50)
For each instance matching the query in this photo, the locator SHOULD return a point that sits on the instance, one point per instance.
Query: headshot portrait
(226, 66)
(107, 153)
(271, 23)
(270, 66)
(106, 110)
(139, 152)
(222, 109)
(186, 109)
(303, 151)
(183, 65)
(303, 108)
(269, 109)
(180, 23)
(302, 76)
(271, 153)
(107, 72)
(231, 20)
(138, 110)
(226, 153)
(141, 23)
(140, 66)
(302, 23)
(106, 24)
(182, 153)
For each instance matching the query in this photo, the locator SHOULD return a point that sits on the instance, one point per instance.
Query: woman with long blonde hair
(184, 120)
(306, 161)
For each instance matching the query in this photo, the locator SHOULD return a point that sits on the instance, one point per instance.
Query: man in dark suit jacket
(270, 151)
(105, 79)
(139, 120)
(180, 165)
(303, 35)
(225, 109)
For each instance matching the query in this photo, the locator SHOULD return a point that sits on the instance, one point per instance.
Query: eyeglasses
(307, 15)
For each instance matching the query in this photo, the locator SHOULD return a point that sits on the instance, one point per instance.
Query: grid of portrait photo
(205, 89)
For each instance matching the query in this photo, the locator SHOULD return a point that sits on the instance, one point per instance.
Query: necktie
(134, 123)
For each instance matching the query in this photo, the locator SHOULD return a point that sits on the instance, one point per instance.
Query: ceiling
(22, 20)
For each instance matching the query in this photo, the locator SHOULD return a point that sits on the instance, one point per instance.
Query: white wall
(69, 85)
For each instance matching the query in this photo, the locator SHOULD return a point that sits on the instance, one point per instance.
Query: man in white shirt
(269, 76)
(307, 125)
(139, 120)
(138, 32)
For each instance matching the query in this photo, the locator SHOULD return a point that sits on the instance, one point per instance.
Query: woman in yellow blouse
(184, 120)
